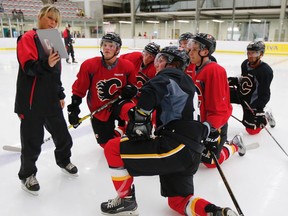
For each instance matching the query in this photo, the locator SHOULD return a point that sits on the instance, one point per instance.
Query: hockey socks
(122, 181)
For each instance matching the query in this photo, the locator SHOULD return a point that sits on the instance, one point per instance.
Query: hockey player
(144, 62)
(174, 154)
(104, 78)
(214, 98)
(39, 102)
(252, 89)
(183, 41)
(68, 41)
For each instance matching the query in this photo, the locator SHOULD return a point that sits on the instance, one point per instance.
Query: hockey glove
(74, 110)
(233, 81)
(139, 126)
(212, 141)
(254, 120)
(128, 92)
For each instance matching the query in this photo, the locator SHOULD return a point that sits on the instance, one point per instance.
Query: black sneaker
(213, 210)
(74, 61)
(121, 206)
(70, 169)
(67, 60)
(31, 185)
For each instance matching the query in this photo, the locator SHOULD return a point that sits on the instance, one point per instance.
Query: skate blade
(70, 174)
(127, 213)
(34, 193)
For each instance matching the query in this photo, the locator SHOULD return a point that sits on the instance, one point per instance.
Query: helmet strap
(202, 58)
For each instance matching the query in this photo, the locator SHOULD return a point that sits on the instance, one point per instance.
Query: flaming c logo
(246, 85)
(107, 88)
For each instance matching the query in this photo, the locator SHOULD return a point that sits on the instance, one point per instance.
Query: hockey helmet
(256, 46)
(173, 54)
(185, 36)
(152, 48)
(112, 37)
(206, 41)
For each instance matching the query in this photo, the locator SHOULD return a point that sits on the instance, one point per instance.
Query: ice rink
(258, 180)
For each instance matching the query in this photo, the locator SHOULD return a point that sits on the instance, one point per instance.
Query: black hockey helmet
(206, 41)
(185, 36)
(152, 48)
(256, 46)
(112, 37)
(173, 54)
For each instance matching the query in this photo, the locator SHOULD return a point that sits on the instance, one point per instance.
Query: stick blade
(11, 148)
(252, 146)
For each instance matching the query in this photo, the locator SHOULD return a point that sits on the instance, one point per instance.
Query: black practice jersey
(255, 84)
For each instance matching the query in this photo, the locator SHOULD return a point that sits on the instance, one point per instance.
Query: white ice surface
(258, 180)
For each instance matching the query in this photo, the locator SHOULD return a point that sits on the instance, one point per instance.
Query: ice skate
(126, 206)
(70, 169)
(270, 118)
(31, 185)
(213, 210)
(238, 140)
(223, 212)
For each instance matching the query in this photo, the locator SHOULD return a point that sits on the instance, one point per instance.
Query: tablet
(50, 38)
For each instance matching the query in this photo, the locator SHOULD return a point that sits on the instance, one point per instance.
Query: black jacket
(39, 87)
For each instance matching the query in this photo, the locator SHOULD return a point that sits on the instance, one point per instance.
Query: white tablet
(50, 38)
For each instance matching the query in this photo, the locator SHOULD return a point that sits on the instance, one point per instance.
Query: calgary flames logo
(246, 85)
(141, 79)
(108, 88)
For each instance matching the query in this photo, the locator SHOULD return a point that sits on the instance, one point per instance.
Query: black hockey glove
(139, 126)
(255, 119)
(212, 141)
(74, 110)
(128, 92)
(260, 119)
(233, 81)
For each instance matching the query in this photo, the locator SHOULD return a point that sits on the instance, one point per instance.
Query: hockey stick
(18, 148)
(268, 133)
(276, 141)
(226, 184)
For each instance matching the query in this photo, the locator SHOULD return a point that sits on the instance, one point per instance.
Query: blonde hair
(50, 8)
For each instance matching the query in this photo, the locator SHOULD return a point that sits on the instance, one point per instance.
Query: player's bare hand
(53, 58)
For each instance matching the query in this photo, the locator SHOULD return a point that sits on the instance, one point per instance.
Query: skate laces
(237, 140)
(114, 202)
(70, 166)
(270, 117)
(31, 180)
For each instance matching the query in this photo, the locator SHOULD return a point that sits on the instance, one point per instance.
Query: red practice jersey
(144, 72)
(213, 93)
(65, 33)
(103, 83)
